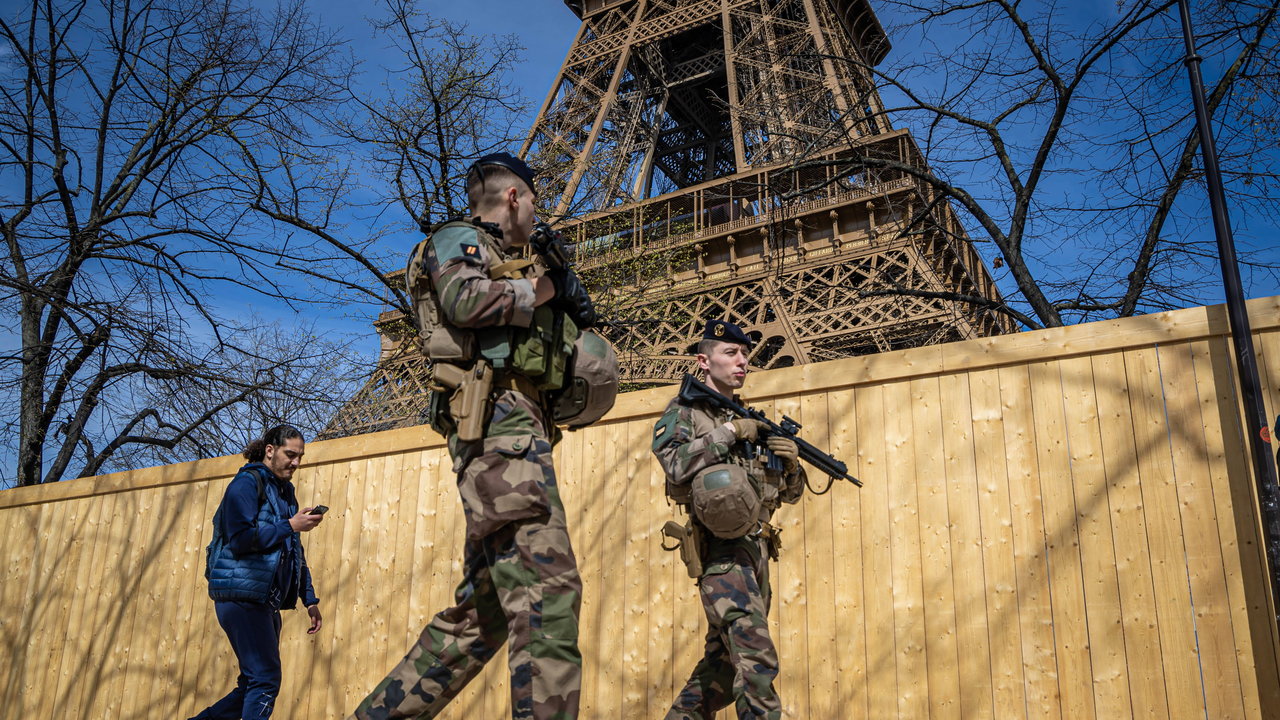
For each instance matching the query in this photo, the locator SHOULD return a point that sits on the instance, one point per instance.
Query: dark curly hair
(276, 437)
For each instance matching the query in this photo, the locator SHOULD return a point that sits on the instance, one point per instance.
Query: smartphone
(319, 509)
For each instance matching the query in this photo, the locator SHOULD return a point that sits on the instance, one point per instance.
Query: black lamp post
(1255, 415)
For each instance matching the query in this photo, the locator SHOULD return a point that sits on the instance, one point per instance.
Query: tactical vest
(717, 480)
(539, 352)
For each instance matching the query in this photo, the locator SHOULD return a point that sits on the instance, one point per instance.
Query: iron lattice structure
(731, 158)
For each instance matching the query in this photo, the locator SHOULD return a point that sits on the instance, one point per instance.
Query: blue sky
(545, 28)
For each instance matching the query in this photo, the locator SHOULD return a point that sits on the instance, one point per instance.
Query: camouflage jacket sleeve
(459, 266)
(686, 440)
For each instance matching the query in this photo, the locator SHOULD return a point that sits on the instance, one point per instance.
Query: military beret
(725, 331)
(508, 161)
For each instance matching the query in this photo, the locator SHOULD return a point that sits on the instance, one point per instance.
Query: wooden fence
(1056, 524)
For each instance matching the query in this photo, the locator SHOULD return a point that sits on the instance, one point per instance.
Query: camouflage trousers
(739, 662)
(520, 584)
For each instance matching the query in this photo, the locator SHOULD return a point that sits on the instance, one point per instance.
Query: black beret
(725, 331)
(508, 161)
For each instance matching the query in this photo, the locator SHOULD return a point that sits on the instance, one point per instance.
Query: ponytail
(276, 437)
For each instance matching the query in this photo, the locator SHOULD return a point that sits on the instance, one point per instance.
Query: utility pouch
(542, 351)
(449, 344)
(772, 539)
(437, 413)
(531, 349)
(565, 335)
(688, 541)
(470, 404)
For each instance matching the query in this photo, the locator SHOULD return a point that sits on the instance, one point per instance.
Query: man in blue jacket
(255, 566)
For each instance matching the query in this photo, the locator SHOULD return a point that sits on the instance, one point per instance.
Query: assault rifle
(571, 297)
(693, 390)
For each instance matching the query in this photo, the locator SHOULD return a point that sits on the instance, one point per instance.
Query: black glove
(571, 298)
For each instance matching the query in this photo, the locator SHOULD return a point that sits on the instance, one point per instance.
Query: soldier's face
(521, 216)
(725, 365)
(282, 460)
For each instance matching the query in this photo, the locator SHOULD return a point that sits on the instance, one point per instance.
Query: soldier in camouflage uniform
(739, 663)
(520, 579)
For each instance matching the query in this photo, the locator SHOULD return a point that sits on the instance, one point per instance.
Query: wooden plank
(402, 517)
(117, 538)
(1267, 662)
(128, 578)
(877, 473)
(1174, 613)
(1001, 573)
(448, 540)
(155, 625)
(188, 575)
(844, 505)
(207, 663)
(435, 488)
(942, 654)
(1203, 546)
(24, 536)
(820, 612)
(788, 603)
(970, 597)
(43, 629)
(594, 620)
(410, 515)
(1266, 343)
(906, 571)
(365, 648)
(75, 645)
(1101, 588)
(611, 512)
(1235, 505)
(640, 531)
(1035, 612)
(351, 682)
(1129, 530)
(180, 574)
(666, 573)
(151, 601)
(309, 667)
(1069, 612)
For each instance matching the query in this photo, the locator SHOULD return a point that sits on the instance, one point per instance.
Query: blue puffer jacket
(255, 555)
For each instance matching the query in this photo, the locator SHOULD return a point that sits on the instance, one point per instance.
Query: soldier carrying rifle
(715, 466)
(511, 357)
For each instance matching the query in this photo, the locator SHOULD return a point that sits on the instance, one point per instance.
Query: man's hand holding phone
(307, 518)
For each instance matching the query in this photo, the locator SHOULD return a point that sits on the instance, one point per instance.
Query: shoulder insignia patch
(456, 242)
(664, 431)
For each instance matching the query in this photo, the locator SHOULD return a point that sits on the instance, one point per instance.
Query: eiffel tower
(732, 158)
